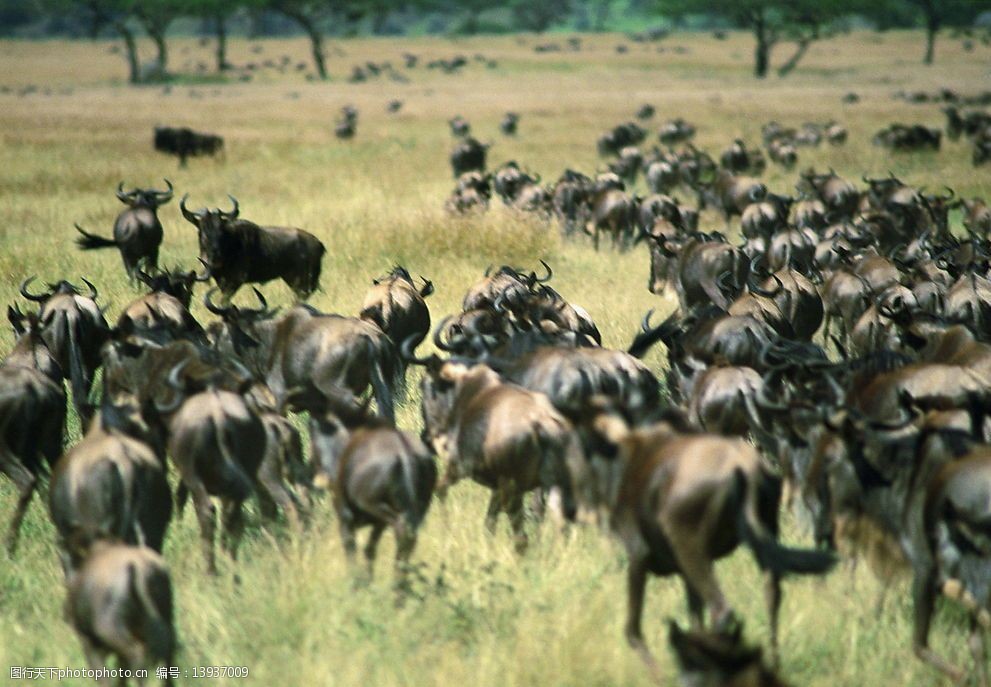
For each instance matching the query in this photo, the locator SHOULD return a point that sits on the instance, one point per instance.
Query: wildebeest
(398, 307)
(32, 417)
(619, 137)
(719, 658)
(509, 123)
(460, 127)
(217, 444)
(467, 156)
(900, 137)
(500, 435)
(679, 501)
(164, 311)
(137, 230)
(237, 251)
(109, 486)
(74, 330)
(184, 143)
(380, 477)
(120, 603)
(676, 131)
(307, 349)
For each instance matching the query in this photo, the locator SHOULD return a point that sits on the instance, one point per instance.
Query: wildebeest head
(212, 226)
(242, 332)
(60, 287)
(144, 198)
(719, 658)
(174, 282)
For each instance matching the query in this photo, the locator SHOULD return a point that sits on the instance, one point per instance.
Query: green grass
(481, 615)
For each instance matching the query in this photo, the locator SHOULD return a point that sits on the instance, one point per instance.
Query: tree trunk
(932, 28)
(316, 44)
(220, 28)
(796, 57)
(762, 51)
(131, 48)
(157, 35)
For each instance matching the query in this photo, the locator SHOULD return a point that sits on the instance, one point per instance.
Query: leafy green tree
(771, 21)
(939, 13)
(155, 16)
(538, 15)
(113, 14)
(309, 14)
(217, 13)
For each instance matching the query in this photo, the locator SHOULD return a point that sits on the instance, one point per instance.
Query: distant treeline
(772, 22)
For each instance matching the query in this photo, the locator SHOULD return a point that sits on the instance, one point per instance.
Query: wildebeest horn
(207, 271)
(93, 293)
(256, 311)
(236, 211)
(121, 195)
(406, 352)
(428, 287)
(165, 196)
(173, 381)
(765, 403)
(213, 307)
(30, 296)
(550, 273)
(754, 288)
(143, 277)
(192, 217)
(438, 335)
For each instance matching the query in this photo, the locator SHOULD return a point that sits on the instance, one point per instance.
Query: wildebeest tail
(77, 375)
(380, 385)
(156, 618)
(770, 554)
(231, 475)
(90, 241)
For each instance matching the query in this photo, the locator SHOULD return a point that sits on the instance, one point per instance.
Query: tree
(155, 17)
(538, 15)
(771, 21)
(116, 15)
(216, 13)
(309, 14)
(939, 13)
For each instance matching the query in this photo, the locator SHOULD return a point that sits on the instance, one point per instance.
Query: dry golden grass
(486, 617)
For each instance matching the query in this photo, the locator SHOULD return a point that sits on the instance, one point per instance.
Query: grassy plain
(484, 617)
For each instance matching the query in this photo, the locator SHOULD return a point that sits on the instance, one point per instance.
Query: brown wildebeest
(74, 330)
(137, 230)
(120, 602)
(32, 416)
(185, 143)
(502, 436)
(111, 485)
(679, 501)
(165, 309)
(239, 252)
(398, 307)
(217, 443)
(468, 155)
(380, 476)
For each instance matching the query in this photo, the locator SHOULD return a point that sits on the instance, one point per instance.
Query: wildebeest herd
(834, 361)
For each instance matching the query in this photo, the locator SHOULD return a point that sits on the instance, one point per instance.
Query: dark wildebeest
(137, 230)
(509, 123)
(217, 443)
(501, 435)
(120, 602)
(467, 156)
(185, 143)
(305, 348)
(679, 502)
(74, 330)
(460, 127)
(112, 486)
(237, 251)
(719, 659)
(32, 415)
(380, 476)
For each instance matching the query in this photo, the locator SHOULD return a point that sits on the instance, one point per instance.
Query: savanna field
(479, 614)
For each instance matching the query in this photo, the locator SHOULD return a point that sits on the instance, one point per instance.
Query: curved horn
(173, 380)
(191, 217)
(213, 307)
(438, 335)
(121, 195)
(144, 277)
(406, 352)
(207, 271)
(754, 288)
(165, 196)
(236, 211)
(550, 273)
(30, 296)
(93, 293)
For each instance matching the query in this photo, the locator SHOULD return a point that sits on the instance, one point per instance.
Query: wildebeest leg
(206, 513)
(492, 512)
(275, 491)
(513, 505)
(405, 543)
(772, 596)
(96, 658)
(372, 546)
(636, 585)
(924, 599)
(696, 606)
(978, 650)
(346, 528)
(25, 483)
(233, 526)
(696, 566)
